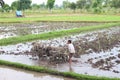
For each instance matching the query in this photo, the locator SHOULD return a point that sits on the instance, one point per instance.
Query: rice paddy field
(37, 45)
(74, 17)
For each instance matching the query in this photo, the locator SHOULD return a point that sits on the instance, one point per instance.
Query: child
(71, 50)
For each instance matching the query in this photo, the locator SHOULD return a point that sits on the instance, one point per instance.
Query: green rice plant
(60, 17)
(53, 72)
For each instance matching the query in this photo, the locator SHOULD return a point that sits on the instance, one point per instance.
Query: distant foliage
(50, 4)
(24, 4)
(6, 8)
(81, 4)
(115, 3)
(15, 5)
(90, 6)
(65, 4)
(72, 6)
(35, 6)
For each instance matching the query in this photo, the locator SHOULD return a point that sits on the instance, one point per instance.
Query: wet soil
(103, 63)
(84, 64)
(12, 30)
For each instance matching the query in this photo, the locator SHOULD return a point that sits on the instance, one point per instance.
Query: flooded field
(101, 61)
(7, 73)
(83, 66)
(12, 30)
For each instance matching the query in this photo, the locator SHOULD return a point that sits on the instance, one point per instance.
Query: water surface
(7, 73)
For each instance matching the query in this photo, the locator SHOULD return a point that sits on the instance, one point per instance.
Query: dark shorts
(71, 55)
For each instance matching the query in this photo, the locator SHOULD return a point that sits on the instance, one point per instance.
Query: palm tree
(1, 3)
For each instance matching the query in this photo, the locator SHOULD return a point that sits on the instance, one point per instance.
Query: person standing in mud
(71, 50)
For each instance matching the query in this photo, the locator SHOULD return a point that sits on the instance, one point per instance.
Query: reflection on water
(7, 73)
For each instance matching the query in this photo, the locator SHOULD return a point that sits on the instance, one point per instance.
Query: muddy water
(7, 73)
(82, 66)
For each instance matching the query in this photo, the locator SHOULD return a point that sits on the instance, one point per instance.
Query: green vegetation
(53, 72)
(39, 12)
(92, 6)
(54, 34)
(24, 4)
(50, 4)
(36, 17)
(72, 6)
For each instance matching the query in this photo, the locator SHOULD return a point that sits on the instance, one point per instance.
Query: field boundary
(53, 72)
(59, 18)
(54, 34)
(61, 21)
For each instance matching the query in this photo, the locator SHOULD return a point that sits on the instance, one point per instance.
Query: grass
(53, 72)
(54, 34)
(76, 17)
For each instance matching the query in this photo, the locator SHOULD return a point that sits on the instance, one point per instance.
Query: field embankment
(45, 70)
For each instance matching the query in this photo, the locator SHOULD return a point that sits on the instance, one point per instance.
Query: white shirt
(71, 48)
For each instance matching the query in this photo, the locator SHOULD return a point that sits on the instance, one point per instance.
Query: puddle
(7, 73)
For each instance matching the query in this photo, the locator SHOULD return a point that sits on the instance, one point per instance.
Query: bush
(97, 10)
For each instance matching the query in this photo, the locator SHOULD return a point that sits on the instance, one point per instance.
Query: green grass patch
(54, 34)
(53, 72)
(61, 17)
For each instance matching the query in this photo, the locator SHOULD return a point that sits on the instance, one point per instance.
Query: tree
(88, 4)
(106, 3)
(6, 8)
(35, 7)
(115, 3)
(50, 4)
(81, 4)
(66, 4)
(72, 6)
(98, 5)
(84, 4)
(15, 5)
(24, 4)
(42, 6)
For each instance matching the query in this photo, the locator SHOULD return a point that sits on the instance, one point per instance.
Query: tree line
(97, 6)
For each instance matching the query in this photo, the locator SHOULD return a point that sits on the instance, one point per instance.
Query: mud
(12, 30)
(7, 73)
(99, 61)
(83, 66)
(104, 41)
